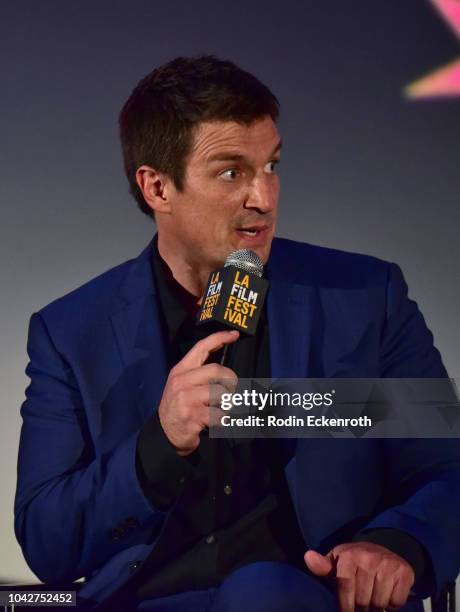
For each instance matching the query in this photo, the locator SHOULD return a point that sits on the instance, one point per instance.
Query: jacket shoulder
(311, 264)
(89, 301)
(100, 287)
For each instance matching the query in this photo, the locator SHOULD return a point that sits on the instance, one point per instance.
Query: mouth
(253, 232)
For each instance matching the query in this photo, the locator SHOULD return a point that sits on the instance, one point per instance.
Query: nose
(263, 194)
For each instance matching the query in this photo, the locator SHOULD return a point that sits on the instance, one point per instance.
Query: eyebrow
(237, 157)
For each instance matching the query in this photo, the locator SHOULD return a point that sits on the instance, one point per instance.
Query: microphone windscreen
(246, 260)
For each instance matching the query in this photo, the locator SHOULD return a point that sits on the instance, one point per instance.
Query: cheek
(209, 206)
(203, 217)
(276, 189)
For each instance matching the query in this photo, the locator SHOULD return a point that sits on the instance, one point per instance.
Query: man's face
(230, 194)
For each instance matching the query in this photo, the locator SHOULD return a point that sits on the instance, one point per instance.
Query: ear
(155, 187)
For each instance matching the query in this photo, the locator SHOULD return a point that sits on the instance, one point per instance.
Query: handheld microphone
(235, 294)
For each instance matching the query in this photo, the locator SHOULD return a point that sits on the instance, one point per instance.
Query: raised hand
(184, 409)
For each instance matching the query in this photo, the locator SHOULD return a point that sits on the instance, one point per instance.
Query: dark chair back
(445, 602)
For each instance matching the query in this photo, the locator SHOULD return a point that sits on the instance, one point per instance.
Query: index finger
(199, 353)
(346, 584)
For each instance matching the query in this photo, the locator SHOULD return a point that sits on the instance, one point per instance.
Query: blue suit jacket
(98, 368)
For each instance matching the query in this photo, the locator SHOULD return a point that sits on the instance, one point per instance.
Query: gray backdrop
(362, 169)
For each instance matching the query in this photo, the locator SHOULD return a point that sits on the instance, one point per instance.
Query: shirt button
(228, 490)
(210, 539)
(182, 480)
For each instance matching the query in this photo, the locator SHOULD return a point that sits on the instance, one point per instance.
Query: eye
(270, 167)
(230, 174)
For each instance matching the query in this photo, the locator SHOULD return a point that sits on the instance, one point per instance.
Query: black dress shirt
(229, 505)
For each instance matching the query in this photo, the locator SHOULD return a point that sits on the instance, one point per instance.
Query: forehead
(216, 138)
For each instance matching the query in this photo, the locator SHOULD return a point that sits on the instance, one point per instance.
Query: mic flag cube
(234, 298)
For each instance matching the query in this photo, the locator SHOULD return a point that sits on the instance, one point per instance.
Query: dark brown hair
(158, 119)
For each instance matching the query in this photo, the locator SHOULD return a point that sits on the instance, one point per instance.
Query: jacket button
(116, 533)
(134, 565)
(131, 523)
(210, 539)
(228, 490)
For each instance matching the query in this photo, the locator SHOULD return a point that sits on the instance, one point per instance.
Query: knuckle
(186, 414)
(227, 374)
(346, 558)
(397, 602)
(367, 562)
(379, 600)
(406, 571)
(183, 399)
(173, 370)
(386, 565)
(362, 602)
(203, 344)
(216, 370)
(174, 383)
(346, 584)
(195, 428)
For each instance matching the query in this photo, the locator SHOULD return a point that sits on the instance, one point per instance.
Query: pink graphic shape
(444, 82)
(450, 10)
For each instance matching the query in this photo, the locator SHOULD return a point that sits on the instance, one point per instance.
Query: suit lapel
(292, 314)
(137, 326)
(290, 317)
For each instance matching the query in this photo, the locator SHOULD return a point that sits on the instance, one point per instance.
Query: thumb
(318, 564)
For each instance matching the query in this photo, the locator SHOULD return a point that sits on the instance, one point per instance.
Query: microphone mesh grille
(245, 260)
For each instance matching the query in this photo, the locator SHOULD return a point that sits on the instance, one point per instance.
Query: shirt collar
(178, 305)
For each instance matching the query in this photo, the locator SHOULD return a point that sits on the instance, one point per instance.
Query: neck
(187, 274)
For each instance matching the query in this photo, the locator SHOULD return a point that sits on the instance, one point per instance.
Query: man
(119, 480)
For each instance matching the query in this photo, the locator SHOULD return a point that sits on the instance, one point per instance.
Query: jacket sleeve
(422, 475)
(74, 509)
